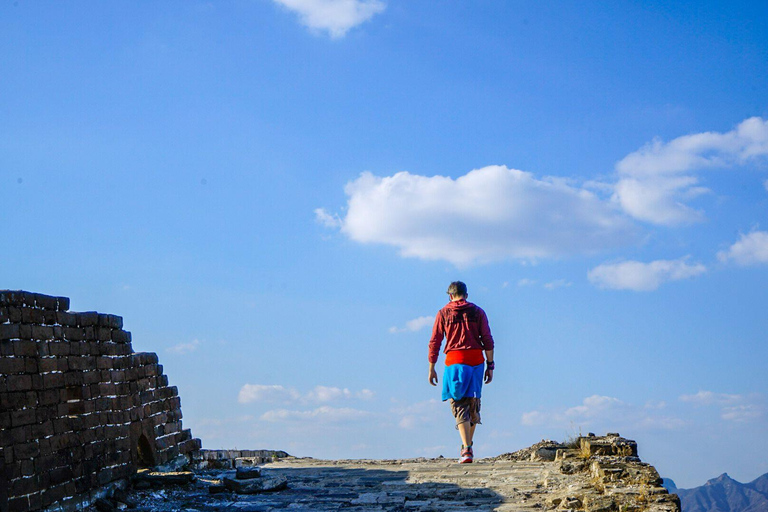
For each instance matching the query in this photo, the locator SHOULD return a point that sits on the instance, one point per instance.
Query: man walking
(465, 328)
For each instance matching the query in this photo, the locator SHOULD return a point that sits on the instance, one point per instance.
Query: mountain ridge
(723, 494)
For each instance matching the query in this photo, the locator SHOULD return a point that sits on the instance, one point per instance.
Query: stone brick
(26, 451)
(9, 331)
(120, 336)
(42, 332)
(87, 318)
(74, 333)
(23, 417)
(73, 378)
(11, 298)
(66, 319)
(3, 315)
(60, 349)
(9, 365)
(14, 314)
(49, 317)
(104, 334)
(32, 316)
(46, 301)
(19, 382)
(6, 348)
(23, 348)
(25, 331)
(19, 504)
(30, 365)
(53, 380)
(62, 303)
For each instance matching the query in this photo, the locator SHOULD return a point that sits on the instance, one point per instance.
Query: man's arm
(434, 347)
(488, 371)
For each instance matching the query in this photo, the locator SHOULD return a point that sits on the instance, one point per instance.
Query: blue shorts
(463, 381)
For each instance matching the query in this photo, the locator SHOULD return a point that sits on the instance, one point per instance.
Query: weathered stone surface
(169, 478)
(611, 444)
(256, 485)
(246, 473)
(431, 485)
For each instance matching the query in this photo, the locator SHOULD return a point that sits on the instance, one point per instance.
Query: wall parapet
(79, 409)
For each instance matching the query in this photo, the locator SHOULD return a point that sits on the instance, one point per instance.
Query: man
(465, 328)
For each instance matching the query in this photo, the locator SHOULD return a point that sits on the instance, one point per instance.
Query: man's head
(457, 290)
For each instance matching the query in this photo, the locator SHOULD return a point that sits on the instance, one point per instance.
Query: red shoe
(466, 455)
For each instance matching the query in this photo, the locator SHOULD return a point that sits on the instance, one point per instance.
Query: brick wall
(79, 409)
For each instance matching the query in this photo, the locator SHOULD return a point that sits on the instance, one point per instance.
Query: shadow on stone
(328, 487)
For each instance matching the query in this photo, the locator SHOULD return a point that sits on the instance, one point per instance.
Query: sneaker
(466, 455)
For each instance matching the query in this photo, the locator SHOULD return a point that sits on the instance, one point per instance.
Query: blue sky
(275, 194)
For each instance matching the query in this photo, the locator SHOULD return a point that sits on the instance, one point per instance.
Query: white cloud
(418, 414)
(559, 283)
(593, 406)
(489, 214)
(710, 398)
(326, 219)
(765, 184)
(742, 413)
(608, 413)
(414, 325)
(750, 249)
(733, 407)
(526, 282)
(335, 17)
(184, 348)
(324, 414)
(266, 393)
(280, 394)
(656, 182)
(639, 276)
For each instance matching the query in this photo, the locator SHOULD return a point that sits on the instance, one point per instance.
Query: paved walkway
(411, 485)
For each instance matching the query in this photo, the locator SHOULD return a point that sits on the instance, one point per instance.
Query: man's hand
(488, 375)
(432, 375)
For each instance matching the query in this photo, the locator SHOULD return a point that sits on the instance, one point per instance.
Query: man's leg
(466, 431)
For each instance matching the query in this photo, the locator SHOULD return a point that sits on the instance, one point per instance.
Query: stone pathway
(409, 485)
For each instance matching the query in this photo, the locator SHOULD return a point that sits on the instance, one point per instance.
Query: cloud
(639, 276)
(742, 413)
(418, 414)
(526, 282)
(489, 214)
(336, 17)
(266, 393)
(414, 325)
(657, 181)
(737, 408)
(765, 184)
(751, 249)
(324, 414)
(184, 348)
(559, 283)
(607, 412)
(280, 394)
(326, 219)
(710, 398)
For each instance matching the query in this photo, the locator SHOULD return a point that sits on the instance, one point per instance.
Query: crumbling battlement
(79, 409)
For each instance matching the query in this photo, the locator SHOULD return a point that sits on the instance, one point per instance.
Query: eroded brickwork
(79, 409)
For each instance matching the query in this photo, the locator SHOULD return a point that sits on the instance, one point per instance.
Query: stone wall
(79, 409)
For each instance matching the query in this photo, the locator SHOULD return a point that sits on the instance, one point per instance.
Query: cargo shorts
(466, 409)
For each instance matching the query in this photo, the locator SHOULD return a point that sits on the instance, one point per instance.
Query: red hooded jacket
(464, 326)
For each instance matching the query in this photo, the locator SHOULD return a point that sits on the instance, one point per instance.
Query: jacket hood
(460, 304)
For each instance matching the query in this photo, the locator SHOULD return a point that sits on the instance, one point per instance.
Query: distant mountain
(723, 494)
